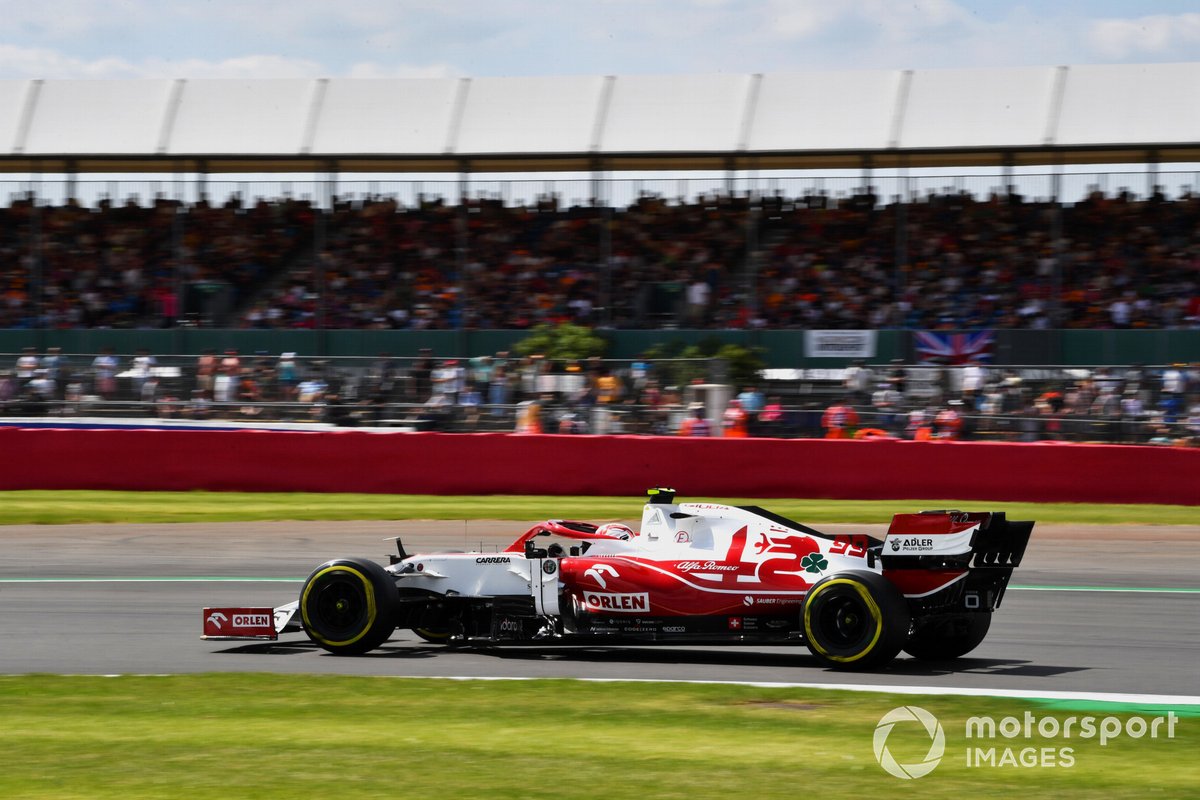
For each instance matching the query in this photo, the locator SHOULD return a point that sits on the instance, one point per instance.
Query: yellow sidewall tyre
(349, 606)
(433, 635)
(855, 620)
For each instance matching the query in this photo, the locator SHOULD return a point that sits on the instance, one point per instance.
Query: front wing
(249, 622)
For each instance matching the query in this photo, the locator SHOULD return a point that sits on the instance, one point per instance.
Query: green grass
(47, 507)
(272, 736)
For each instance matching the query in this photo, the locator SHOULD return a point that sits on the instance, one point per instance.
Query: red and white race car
(696, 573)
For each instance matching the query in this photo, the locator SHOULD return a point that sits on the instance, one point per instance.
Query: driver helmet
(617, 530)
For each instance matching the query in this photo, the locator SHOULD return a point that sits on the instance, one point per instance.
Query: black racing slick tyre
(349, 606)
(950, 638)
(434, 635)
(854, 620)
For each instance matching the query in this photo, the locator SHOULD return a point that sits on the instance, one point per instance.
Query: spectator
(469, 402)
(918, 425)
(58, 373)
(27, 365)
(287, 376)
(148, 392)
(974, 379)
(1132, 416)
(608, 387)
(104, 373)
(312, 390)
(752, 400)
(250, 395)
(381, 378)
(141, 369)
(1106, 409)
(772, 413)
(698, 292)
(695, 424)
(886, 403)
(529, 417)
(1192, 377)
(500, 388)
(479, 370)
(898, 375)
(839, 420)
(1031, 422)
(8, 391)
(735, 421)
(206, 371)
(227, 378)
(199, 407)
(948, 423)
(857, 382)
(1193, 419)
(571, 421)
(449, 379)
(420, 377)
(1174, 380)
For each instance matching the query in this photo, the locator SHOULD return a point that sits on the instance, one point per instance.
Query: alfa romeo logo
(904, 716)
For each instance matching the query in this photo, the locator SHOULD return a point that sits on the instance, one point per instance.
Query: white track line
(1123, 698)
(1020, 694)
(879, 689)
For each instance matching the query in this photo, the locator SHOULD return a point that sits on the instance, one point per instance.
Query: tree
(565, 342)
(682, 365)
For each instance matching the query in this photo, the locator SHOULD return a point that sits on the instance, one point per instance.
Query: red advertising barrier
(436, 463)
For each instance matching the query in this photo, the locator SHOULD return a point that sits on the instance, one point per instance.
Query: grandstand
(837, 205)
(864, 215)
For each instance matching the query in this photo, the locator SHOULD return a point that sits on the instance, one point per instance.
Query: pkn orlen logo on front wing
(911, 719)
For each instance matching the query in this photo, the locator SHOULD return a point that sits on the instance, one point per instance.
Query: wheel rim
(844, 622)
(339, 608)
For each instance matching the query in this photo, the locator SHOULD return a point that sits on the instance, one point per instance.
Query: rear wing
(980, 549)
(938, 539)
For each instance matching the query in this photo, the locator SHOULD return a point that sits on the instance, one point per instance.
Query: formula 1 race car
(696, 573)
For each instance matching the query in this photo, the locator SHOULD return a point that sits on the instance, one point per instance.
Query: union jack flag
(954, 348)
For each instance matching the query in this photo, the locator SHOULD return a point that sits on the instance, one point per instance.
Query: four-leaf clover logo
(814, 562)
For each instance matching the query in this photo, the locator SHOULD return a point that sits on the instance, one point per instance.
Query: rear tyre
(949, 638)
(349, 606)
(434, 635)
(854, 620)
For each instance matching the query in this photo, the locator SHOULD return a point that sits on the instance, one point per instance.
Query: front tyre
(349, 606)
(949, 638)
(855, 620)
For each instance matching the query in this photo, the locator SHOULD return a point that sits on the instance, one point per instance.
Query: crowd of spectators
(946, 260)
(1001, 262)
(532, 394)
(810, 262)
(122, 266)
(1130, 405)
(483, 265)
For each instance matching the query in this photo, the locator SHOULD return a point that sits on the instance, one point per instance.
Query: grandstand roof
(847, 119)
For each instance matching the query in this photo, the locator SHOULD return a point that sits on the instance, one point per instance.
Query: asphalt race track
(109, 599)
